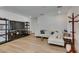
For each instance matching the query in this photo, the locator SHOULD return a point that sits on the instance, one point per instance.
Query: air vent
(41, 14)
(59, 6)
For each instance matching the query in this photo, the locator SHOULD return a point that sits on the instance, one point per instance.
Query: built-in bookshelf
(18, 29)
(27, 27)
(11, 30)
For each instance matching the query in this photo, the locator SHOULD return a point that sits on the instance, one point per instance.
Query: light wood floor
(30, 44)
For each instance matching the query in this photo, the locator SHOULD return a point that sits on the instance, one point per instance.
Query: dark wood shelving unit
(14, 29)
(27, 27)
(3, 30)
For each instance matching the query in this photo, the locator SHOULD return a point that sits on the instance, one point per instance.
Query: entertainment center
(11, 30)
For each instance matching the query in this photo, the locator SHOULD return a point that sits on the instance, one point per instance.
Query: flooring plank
(30, 44)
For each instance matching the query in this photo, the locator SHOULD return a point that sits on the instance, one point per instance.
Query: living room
(47, 27)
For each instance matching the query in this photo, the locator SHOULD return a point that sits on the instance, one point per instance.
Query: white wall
(34, 25)
(13, 16)
(51, 23)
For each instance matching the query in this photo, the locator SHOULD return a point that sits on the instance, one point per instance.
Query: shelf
(26, 22)
(27, 28)
(3, 24)
(27, 25)
(2, 34)
(3, 29)
(18, 30)
(12, 30)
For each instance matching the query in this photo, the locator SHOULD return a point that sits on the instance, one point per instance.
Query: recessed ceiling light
(59, 9)
(59, 6)
(30, 16)
(59, 12)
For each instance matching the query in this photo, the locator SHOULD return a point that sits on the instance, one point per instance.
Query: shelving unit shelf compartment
(3, 30)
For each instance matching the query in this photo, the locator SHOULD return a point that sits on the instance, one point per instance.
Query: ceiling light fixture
(59, 9)
(59, 12)
(30, 16)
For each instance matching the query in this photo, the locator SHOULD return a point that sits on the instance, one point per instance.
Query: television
(15, 25)
(19, 25)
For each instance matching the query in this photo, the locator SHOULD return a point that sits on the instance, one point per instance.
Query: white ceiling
(35, 11)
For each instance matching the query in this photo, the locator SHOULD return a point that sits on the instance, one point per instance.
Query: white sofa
(56, 38)
(47, 34)
(52, 38)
